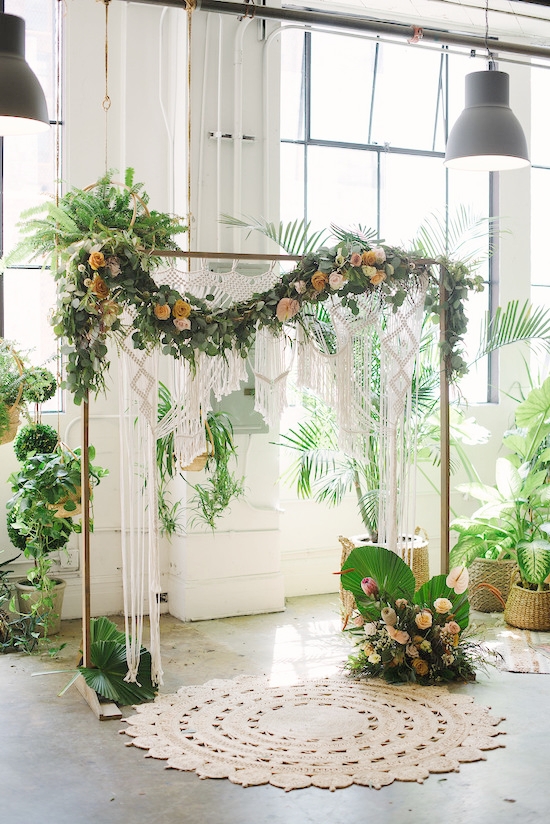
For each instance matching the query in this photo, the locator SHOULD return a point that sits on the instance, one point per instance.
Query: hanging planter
(198, 463)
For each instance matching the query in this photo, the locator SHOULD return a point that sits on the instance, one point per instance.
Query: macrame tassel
(272, 364)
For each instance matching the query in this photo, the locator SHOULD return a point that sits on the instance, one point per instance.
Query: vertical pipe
(85, 493)
(444, 424)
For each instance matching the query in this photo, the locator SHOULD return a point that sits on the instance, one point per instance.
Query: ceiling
(519, 22)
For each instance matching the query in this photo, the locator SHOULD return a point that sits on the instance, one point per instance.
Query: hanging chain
(106, 100)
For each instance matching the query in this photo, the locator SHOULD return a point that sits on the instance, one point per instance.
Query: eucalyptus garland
(100, 243)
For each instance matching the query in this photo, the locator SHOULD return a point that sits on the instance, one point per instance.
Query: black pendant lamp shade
(23, 108)
(487, 136)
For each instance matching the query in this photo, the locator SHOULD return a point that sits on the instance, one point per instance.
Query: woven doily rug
(327, 733)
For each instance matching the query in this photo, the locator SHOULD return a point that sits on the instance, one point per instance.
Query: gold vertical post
(85, 493)
(444, 427)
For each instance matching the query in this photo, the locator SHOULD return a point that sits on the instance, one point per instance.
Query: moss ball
(38, 438)
(40, 385)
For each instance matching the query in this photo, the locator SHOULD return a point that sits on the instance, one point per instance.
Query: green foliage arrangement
(101, 241)
(513, 521)
(38, 438)
(403, 635)
(18, 632)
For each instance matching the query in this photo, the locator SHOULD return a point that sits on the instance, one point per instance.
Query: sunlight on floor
(319, 650)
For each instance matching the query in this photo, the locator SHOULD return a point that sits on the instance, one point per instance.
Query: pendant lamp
(23, 108)
(487, 136)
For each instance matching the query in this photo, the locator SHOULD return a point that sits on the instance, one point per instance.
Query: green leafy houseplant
(514, 519)
(19, 632)
(45, 493)
(211, 498)
(403, 635)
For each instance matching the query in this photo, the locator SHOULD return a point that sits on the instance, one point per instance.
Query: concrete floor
(59, 765)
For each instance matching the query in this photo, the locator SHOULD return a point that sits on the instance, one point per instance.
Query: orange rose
(319, 280)
(369, 258)
(181, 309)
(162, 311)
(96, 261)
(378, 277)
(98, 287)
(420, 666)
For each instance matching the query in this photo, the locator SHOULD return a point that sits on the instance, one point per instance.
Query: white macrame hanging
(399, 347)
(139, 525)
(273, 355)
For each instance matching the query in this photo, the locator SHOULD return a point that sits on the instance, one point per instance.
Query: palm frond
(358, 233)
(454, 236)
(514, 323)
(295, 237)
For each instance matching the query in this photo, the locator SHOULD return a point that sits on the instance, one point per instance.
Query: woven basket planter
(496, 573)
(59, 507)
(528, 609)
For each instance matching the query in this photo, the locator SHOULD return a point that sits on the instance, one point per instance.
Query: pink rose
(412, 651)
(286, 309)
(336, 280)
(355, 259)
(182, 323)
(398, 635)
(457, 579)
(452, 628)
(369, 587)
(359, 621)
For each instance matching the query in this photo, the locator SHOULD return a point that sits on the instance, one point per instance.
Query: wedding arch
(110, 256)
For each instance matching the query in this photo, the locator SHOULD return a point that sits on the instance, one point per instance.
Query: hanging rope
(106, 100)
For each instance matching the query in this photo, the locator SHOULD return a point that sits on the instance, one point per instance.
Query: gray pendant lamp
(487, 136)
(23, 108)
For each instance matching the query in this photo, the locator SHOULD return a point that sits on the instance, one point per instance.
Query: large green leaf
(534, 560)
(108, 656)
(508, 479)
(435, 588)
(392, 575)
(535, 409)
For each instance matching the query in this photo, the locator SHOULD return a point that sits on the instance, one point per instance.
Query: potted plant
(512, 525)
(211, 498)
(45, 496)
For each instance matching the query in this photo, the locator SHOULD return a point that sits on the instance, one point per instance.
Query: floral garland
(101, 268)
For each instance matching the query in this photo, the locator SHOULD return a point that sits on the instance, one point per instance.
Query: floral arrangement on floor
(100, 241)
(403, 635)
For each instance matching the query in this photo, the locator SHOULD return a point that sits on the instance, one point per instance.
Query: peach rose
(424, 619)
(99, 288)
(287, 308)
(96, 260)
(369, 258)
(359, 621)
(398, 635)
(162, 311)
(442, 605)
(401, 603)
(319, 281)
(378, 277)
(181, 309)
(182, 323)
(420, 666)
(452, 628)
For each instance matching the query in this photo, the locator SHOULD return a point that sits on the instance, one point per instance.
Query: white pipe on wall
(238, 125)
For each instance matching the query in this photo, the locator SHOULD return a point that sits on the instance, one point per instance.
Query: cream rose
(336, 280)
(424, 619)
(379, 254)
(442, 605)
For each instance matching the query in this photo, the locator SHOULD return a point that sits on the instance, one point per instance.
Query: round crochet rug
(327, 733)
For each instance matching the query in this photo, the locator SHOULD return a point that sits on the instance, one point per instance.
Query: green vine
(101, 243)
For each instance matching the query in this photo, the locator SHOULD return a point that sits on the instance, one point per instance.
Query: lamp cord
(489, 52)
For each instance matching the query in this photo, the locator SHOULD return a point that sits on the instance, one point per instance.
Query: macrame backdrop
(338, 367)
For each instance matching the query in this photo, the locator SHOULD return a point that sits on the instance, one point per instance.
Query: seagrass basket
(199, 462)
(528, 608)
(496, 573)
(59, 507)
